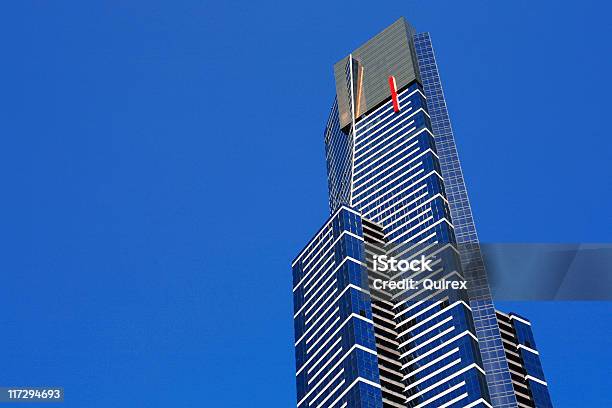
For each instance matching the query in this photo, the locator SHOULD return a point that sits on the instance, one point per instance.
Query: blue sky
(163, 162)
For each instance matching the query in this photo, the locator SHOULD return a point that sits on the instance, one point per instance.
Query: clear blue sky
(162, 162)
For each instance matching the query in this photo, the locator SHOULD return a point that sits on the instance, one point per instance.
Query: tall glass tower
(396, 187)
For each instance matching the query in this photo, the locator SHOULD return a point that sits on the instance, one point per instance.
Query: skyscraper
(396, 187)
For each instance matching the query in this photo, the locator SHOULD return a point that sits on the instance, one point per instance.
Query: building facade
(396, 188)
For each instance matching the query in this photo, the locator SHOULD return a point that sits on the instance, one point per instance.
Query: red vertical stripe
(393, 87)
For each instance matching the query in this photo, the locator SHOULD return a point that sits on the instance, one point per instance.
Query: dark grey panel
(390, 52)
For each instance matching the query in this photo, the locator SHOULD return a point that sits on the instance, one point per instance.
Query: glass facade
(494, 360)
(335, 346)
(338, 148)
(396, 187)
(528, 381)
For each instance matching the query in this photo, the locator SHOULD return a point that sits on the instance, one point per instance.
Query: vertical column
(491, 348)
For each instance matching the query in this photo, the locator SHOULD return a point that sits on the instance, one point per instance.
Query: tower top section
(362, 77)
